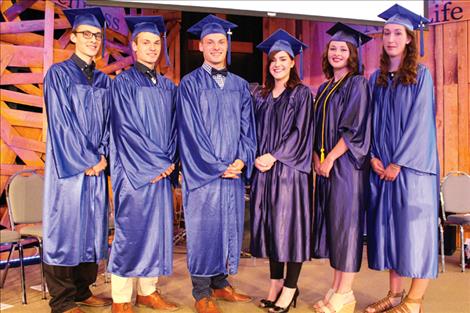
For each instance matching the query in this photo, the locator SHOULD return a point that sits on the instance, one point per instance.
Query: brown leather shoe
(229, 294)
(95, 301)
(206, 305)
(74, 310)
(122, 308)
(155, 301)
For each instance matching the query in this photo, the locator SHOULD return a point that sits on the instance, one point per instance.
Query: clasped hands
(97, 168)
(389, 174)
(234, 170)
(165, 173)
(323, 168)
(265, 162)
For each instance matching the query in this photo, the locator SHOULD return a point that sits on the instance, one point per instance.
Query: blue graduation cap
(281, 40)
(151, 24)
(402, 16)
(212, 24)
(343, 32)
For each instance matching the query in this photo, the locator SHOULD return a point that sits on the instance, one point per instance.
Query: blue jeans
(202, 286)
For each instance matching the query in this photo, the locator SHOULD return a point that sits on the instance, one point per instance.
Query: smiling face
(338, 54)
(280, 64)
(86, 47)
(395, 39)
(147, 47)
(214, 49)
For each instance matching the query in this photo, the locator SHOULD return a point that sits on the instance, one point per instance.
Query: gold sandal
(385, 304)
(403, 308)
(339, 303)
(327, 297)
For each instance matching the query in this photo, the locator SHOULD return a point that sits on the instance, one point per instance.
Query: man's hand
(265, 162)
(326, 166)
(377, 167)
(234, 169)
(165, 173)
(97, 168)
(391, 172)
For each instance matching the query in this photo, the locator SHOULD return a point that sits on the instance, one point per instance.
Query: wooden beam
(11, 169)
(19, 7)
(464, 109)
(21, 78)
(5, 59)
(27, 56)
(118, 65)
(31, 26)
(21, 98)
(8, 134)
(14, 139)
(20, 117)
(237, 46)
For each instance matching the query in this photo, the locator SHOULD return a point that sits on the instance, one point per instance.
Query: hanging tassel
(229, 52)
(301, 69)
(167, 57)
(421, 39)
(103, 47)
(322, 155)
(360, 55)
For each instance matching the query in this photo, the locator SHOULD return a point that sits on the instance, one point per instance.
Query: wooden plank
(4, 6)
(25, 39)
(464, 112)
(48, 36)
(30, 26)
(451, 124)
(118, 65)
(10, 169)
(20, 117)
(439, 83)
(8, 135)
(21, 98)
(64, 39)
(450, 53)
(16, 9)
(14, 140)
(5, 59)
(27, 56)
(21, 78)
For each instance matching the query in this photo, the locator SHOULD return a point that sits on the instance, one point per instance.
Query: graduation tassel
(322, 155)
(301, 69)
(421, 38)
(360, 55)
(229, 54)
(167, 57)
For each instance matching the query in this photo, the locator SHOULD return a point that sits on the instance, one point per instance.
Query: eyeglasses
(88, 35)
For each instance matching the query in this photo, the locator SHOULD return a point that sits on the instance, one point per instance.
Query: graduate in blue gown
(341, 149)
(402, 220)
(217, 147)
(75, 211)
(143, 155)
(281, 191)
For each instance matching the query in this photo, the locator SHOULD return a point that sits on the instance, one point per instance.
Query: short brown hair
(353, 61)
(293, 81)
(408, 70)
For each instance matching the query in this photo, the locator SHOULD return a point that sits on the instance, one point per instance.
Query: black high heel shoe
(293, 303)
(268, 304)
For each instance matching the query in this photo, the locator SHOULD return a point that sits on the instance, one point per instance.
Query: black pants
(276, 270)
(68, 284)
(202, 285)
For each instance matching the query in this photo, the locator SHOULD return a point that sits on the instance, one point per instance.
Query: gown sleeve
(354, 124)
(200, 165)
(141, 157)
(73, 153)
(247, 143)
(417, 146)
(295, 149)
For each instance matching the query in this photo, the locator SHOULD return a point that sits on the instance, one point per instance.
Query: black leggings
(293, 271)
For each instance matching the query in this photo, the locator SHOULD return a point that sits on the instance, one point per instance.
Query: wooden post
(48, 51)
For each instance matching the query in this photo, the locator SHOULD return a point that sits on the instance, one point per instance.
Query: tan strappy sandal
(403, 308)
(327, 297)
(385, 303)
(339, 303)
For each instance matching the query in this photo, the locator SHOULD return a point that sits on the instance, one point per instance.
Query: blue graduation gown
(281, 210)
(402, 220)
(215, 127)
(341, 199)
(143, 145)
(75, 211)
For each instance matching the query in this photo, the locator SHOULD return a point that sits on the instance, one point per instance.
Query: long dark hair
(353, 61)
(408, 70)
(293, 81)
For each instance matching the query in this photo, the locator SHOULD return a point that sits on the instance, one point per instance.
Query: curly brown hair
(408, 69)
(293, 81)
(353, 61)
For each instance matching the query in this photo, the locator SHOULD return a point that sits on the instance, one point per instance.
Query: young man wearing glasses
(75, 211)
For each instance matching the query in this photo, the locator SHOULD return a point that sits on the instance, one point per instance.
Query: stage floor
(450, 293)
